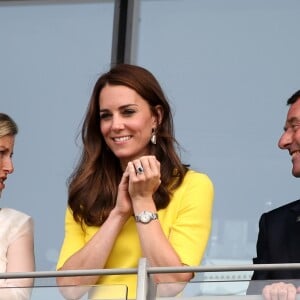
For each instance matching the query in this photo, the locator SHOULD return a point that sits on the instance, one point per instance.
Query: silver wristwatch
(146, 217)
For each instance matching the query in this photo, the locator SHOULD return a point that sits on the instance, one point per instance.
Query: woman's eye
(128, 112)
(5, 153)
(104, 116)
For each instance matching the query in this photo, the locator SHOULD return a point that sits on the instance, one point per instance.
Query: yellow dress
(186, 222)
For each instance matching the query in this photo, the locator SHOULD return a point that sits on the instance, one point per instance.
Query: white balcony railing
(146, 289)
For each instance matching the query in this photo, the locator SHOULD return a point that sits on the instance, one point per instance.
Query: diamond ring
(139, 170)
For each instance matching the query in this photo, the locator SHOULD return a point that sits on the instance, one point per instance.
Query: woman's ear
(159, 114)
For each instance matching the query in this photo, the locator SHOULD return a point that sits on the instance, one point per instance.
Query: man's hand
(280, 291)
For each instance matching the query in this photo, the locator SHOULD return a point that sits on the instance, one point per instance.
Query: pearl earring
(153, 137)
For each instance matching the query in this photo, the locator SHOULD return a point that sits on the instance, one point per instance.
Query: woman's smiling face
(126, 122)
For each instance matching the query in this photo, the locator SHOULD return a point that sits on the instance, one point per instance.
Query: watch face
(145, 218)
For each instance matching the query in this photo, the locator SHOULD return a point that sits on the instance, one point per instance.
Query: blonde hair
(7, 125)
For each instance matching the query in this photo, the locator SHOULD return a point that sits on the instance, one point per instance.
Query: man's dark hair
(293, 98)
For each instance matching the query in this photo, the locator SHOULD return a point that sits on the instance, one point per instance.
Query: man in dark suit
(279, 230)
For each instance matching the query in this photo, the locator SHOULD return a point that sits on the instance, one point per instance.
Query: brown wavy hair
(93, 185)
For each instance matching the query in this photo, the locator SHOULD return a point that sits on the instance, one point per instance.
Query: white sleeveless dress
(13, 224)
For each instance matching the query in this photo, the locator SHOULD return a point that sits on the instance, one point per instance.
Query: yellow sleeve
(73, 241)
(190, 233)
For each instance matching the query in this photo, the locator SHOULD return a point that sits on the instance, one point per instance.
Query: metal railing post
(142, 280)
(146, 289)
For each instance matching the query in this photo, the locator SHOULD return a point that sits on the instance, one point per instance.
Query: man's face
(290, 139)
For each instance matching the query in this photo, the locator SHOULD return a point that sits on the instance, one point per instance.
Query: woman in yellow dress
(130, 195)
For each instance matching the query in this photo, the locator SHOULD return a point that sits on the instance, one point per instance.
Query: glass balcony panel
(100, 292)
(222, 289)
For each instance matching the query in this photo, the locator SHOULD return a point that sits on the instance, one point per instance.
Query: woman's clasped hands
(139, 182)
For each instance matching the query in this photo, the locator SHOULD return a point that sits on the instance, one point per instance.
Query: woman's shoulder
(196, 181)
(193, 175)
(13, 214)
(14, 223)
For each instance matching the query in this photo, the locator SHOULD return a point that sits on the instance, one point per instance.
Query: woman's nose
(8, 165)
(117, 123)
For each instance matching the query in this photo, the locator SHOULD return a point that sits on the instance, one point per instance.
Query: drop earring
(153, 137)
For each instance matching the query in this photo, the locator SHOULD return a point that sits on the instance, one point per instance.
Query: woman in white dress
(16, 228)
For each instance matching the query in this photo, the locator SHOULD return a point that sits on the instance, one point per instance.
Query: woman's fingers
(147, 165)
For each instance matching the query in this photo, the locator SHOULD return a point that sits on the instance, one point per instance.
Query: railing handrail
(224, 268)
(68, 273)
(145, 286)
(151, 270)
